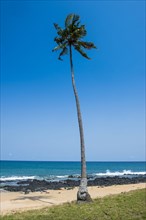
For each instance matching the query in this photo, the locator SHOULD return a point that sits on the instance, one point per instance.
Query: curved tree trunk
(82, 194)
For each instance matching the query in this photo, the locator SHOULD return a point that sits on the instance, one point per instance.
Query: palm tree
(68, 38)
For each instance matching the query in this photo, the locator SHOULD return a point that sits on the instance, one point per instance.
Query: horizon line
(102, 161)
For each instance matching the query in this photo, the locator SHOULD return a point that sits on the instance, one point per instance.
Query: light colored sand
(18, 201)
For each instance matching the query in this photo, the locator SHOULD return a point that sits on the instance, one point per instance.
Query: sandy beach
(12, 202)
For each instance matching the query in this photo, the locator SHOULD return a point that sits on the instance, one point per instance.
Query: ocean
(53, 170)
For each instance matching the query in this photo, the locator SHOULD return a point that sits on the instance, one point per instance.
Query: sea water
(56, 170)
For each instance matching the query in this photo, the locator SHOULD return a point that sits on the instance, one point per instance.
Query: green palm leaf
(57, 27)
(57, 48)
(68, 20)
(86, 45)
(63, 52)
(80, 50)
(75, 19)
(71, 35)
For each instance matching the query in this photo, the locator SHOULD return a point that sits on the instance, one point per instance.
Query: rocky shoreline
(42, 185)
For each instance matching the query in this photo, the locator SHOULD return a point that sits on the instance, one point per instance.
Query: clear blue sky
(38, 110)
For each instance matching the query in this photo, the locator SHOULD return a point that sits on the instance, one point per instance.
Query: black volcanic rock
(42, 185)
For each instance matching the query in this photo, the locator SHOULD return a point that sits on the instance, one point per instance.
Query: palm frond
(57, 48)
(58, 40)
(68, 20)
(83, 31)
(77, 24)
(63, 52)
(79, 32)
(80, 50)
(87, 45)
(59, 29)
(72, 35)
(75, 19)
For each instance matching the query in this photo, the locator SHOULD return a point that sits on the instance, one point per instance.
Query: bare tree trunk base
(82, 194)
(82, 198)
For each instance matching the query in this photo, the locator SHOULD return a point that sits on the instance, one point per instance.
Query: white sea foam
(52, 177)
(117, 173)
(60, 177)
(15, 178)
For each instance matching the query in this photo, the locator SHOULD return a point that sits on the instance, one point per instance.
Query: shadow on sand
(34, 198)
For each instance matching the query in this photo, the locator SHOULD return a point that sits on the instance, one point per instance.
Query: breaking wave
(108, 173)
(15, 178)
(117, 173)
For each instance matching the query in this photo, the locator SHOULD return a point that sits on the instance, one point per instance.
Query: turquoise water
(14, 170)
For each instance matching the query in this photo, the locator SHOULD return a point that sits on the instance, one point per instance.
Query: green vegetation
(125, 206)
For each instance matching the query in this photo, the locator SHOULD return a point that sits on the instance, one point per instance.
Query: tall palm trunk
(82, 194)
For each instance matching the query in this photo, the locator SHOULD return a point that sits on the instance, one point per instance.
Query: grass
(126, 206)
